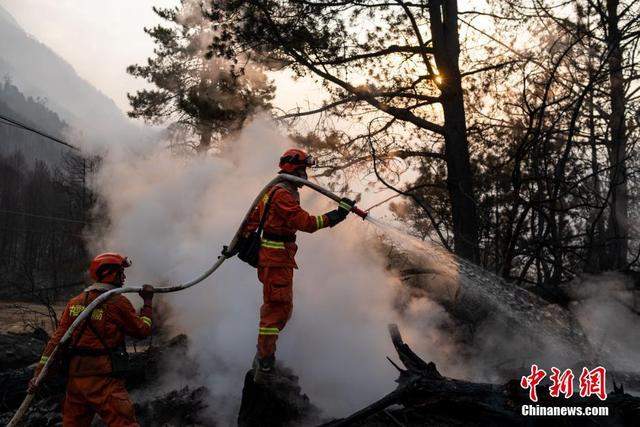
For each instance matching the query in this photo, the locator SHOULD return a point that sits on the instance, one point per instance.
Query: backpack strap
(76, 340)
(267, 206)
(100, 338)
(87, 323)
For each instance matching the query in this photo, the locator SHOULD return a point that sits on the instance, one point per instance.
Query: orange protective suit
(90, 388)
(277, 258)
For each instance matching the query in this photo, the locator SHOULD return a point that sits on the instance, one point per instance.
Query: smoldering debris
(184, 407)
(280, 403)
(177, 407)
(18, 350)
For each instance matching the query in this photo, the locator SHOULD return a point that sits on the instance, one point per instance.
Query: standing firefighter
(96, 356)
(284, 217)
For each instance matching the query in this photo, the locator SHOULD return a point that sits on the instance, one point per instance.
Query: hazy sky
(101, 38)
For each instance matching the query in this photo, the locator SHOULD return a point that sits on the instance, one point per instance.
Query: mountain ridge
(41, 73)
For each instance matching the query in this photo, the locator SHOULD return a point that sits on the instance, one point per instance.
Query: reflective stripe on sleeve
(268, 331)
(272, 244)
(320, 222)
(146, 320)
(44, 360)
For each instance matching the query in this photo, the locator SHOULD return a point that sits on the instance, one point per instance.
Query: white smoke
(604, 305)
(172, 217)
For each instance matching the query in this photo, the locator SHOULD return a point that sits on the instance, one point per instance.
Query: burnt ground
(423, 396)
(20, 352)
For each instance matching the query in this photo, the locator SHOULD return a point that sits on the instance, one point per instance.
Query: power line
(33, 230)
(53, 288)
(56, 218)
(18, 124)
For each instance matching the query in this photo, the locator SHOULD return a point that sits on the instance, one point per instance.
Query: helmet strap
(119, 279)
(112, 269)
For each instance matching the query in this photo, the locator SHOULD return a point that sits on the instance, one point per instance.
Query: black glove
(346, 205)
(338, 215)
(146, 294)
(229, 253)
(335, 216)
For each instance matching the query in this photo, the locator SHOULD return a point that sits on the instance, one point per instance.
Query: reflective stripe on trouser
(277, 293)
(105, 396)
(272, 244)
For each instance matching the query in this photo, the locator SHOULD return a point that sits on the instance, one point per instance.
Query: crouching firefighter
(95, 359)
(279, 216)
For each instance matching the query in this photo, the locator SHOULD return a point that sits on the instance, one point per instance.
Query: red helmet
(108, 268)
(294, 159)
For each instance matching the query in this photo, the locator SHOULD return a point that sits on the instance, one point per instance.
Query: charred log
(426, 397)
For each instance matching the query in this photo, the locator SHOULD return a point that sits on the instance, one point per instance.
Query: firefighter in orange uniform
(277, 252)
(96, 354)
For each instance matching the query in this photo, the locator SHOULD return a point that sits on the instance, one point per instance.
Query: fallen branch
(429, 398)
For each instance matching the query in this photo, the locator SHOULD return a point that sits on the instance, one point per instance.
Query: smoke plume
(172, 216)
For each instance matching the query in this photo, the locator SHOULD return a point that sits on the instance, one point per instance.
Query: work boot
(264, 369)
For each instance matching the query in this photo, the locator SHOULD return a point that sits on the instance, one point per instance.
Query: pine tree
(203, 98)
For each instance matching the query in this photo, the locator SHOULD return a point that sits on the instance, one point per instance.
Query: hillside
(40, 73)
(33, 113)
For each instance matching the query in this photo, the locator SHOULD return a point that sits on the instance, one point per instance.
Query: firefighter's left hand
(346, 205)
(33, 387)
(147, 293)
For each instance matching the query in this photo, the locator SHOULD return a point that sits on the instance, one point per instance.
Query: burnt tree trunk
(595, 229)
(206, 133)
(618, 219)
(444, 29)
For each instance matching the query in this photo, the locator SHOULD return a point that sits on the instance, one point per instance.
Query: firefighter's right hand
(336, 216)
(146, 293)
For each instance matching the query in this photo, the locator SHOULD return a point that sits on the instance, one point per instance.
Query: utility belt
(118, 357)
(279, 237)
(91, 352)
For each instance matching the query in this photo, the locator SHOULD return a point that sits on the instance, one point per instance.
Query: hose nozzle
(362, 214)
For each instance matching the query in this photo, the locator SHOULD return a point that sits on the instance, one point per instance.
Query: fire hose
(131, 289)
